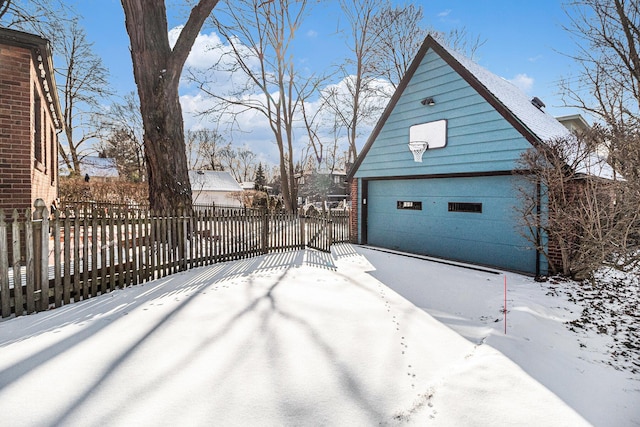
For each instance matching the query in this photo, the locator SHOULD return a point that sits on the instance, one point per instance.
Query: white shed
(214, 188)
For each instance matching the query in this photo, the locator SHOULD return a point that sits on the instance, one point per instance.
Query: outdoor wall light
(428, 101)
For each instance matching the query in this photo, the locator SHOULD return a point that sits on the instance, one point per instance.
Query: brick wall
(572, 190)
(22, 178)
(15, 129)
(353, 213)
(554, 256)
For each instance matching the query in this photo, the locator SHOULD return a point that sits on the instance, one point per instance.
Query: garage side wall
(474, 167)
(479, 138)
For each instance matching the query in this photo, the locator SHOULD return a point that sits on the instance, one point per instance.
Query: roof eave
(392, 103)
(38, 46)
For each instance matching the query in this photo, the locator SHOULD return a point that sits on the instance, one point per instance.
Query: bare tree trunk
(157, 68)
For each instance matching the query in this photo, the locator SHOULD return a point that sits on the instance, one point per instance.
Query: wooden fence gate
(319, 233)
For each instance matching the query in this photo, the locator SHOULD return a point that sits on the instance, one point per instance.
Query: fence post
(330, 234)
(66, 287)
(4, 268)
(93, 228)
(183, 239)
(57, 288)
(303, 236)
(42, 253)
(17, 273)
(29, 248)
(265, 231)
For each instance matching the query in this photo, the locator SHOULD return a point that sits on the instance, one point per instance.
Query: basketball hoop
(418, 148)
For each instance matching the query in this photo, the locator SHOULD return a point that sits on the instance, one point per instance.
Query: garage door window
(416, 206)
(465, 207)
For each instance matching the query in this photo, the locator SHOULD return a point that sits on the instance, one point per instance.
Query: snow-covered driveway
(293, 339)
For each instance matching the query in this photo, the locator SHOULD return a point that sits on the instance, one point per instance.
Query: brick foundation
(353, 213)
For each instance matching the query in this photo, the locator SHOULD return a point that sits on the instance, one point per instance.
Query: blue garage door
(465, 219)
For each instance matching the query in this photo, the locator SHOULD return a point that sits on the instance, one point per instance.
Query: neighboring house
(30, 120)
(575, 123)
(217, 188)
(96, 169)
(436, 175)
(324, 185)
(250, 186)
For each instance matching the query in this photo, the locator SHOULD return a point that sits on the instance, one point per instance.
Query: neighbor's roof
(574, 122)
(213, 181)
(535, 125)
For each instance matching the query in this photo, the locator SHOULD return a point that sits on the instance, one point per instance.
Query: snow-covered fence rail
(51, 260)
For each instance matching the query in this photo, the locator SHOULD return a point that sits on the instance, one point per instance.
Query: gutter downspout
(538, 231)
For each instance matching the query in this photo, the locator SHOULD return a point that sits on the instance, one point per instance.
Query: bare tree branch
(259, 37)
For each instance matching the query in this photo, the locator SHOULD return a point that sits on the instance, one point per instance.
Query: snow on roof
(213, 181)
(331, 172)
(99, 166)
(595, 165)
(540, 123)
(544, 126)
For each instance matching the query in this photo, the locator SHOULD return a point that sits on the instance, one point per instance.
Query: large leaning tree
(157, 68)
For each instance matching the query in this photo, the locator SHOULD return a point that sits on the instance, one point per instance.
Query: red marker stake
(505, 305)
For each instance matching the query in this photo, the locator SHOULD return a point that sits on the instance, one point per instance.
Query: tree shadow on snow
(93, 315)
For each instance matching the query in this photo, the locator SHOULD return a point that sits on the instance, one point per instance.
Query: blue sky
(524, 40)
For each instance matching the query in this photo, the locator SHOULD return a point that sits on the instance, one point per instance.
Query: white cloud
(209, 50)
(251, 128)
(524, 82)
(312, 33)
(444, 13)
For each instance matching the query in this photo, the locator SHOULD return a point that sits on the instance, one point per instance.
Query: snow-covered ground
(360, 338)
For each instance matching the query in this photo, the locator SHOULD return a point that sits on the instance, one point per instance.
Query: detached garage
(436, 176)
(466, 219)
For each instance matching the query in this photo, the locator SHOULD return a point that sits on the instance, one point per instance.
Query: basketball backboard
(434, 133)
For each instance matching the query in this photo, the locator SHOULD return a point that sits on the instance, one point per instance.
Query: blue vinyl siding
(489, 238)
(480, 143)
(479, 139)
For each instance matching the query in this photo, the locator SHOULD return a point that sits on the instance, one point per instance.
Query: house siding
(15, 134)
(44, 179)
(479, 139)
(492, 237)
(482, 149)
